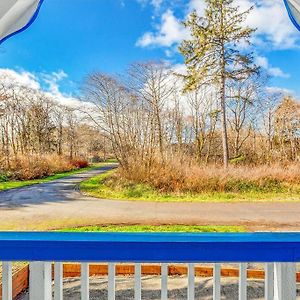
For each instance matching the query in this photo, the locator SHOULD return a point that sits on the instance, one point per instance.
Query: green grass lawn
(96, 187)
(17, 184)
(158, 228)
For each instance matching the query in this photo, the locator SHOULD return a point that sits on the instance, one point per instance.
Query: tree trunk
(223, 99)
(223, 113)
(224, 125)
(160, 135)
(237, 144)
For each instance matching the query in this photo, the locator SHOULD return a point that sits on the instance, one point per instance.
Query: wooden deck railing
(279, 252)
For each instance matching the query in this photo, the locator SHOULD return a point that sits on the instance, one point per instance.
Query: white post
(111, 281)
(164, 281)
(138, 282)
(269, 281)
(285, 281)
(7, 280)
(85, 281)
(217, 282)
(243, 282)
(40, 281)
(58, 281)
(191, 281)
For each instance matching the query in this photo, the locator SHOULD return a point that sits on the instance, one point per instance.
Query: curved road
(59, 204)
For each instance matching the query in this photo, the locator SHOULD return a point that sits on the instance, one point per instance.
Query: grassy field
(96, 187)
(17, 184)
(160, 228)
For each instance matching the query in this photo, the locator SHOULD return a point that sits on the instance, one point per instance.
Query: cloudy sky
(71, 38)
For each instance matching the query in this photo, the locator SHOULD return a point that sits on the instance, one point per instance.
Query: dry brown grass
(180, 177)
(39, 166)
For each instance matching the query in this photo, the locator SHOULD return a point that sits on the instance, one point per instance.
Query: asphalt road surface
(60, 204)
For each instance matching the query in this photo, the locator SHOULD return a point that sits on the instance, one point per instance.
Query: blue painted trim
(33, 18)
(185, 248)
(291, 15)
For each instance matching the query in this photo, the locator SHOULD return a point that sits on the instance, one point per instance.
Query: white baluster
(269, 281)
(85, 281)
(40, 281)
(138, 282)
(58, 281)
(7, 280)
(164, 281)
(191, 281)
(284, 281)
(243, 282)
(217, 282)
(111, 281)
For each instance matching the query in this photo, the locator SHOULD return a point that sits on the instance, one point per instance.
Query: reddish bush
(79, 163)
(36, 166)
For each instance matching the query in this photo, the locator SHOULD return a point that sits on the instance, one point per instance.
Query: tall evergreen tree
(213, 52)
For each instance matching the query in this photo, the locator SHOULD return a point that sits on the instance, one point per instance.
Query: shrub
(79, 163)
(36, 166)
(3, 178)
(179, 177)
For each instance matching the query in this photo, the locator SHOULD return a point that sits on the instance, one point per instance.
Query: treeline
(217, 109)
(39, 136)
(148, 119)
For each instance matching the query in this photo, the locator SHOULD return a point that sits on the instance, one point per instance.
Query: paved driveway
(59, 203)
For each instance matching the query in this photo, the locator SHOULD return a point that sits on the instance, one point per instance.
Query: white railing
(278, 251)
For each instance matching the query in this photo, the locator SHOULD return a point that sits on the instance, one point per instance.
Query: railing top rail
(266, 237)
(163, 247)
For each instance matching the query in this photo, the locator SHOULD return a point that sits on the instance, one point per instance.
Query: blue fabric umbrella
(16, 16)
(293, 8)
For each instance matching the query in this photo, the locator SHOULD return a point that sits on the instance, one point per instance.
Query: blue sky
(71, 38)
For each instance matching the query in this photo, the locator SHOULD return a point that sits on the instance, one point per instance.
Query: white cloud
(268, 16)
(279, 90)
(263, 62)
(53, 79)
(272, 22)
(10, 77)
(169, 32)
(67, 100)
(155, 3)
(197, 5)
(179, 69)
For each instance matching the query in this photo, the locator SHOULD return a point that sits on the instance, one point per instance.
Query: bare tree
(243, 104)
(153, 83)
